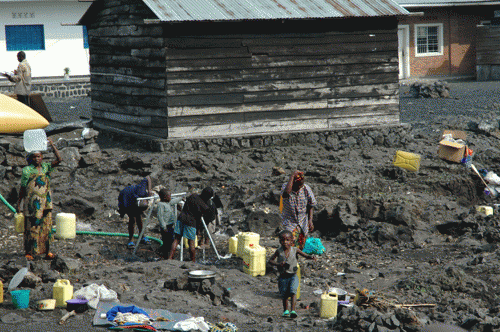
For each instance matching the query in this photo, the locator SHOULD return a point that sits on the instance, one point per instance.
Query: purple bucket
(78, 305)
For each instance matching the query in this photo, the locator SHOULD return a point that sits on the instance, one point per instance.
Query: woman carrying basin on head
(35, 194)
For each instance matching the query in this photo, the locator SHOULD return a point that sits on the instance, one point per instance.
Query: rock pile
(212, 289)
(438, 89)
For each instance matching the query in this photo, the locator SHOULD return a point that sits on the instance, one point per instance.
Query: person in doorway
(285, 258)
(194, 209)
(167, 218)
(22, 78)
(36, 199)
(298, 204)
(128, 205)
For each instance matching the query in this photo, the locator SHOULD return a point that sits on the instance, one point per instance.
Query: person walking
(35, 194)
(298, 205)
(22, 78)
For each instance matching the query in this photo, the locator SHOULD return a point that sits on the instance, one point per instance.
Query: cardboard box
(453, 151)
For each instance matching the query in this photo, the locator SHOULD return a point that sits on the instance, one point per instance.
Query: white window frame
(440, 39)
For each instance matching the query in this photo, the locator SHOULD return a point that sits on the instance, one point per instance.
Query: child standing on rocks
(166, 217)
(285, 258)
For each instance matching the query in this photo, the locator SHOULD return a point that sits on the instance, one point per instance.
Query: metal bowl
(339, 291)
(201, 274)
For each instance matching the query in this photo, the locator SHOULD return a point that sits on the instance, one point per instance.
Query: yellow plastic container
(484, 210)
(328, 307)
(297, 296)
(62, 292)
(65, 226)
(407, 160)
(186, 245)
(245, 239)
(1, 292)
(233, 245)
(19, 222)
(254, 260)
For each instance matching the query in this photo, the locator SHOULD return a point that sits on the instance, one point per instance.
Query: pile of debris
(438, 89)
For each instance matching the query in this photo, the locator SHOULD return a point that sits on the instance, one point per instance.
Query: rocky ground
(406, 237)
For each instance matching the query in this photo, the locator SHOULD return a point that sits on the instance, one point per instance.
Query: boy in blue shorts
(285, 258)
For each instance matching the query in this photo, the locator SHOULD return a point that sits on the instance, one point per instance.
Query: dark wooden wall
(306, 76)
(127, 67)
(235, 78)
(487, 53)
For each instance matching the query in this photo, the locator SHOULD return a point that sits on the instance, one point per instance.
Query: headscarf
(207, 193)
(29, 157)
(299, 177)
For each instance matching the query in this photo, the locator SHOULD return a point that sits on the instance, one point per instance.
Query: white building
(43, 30)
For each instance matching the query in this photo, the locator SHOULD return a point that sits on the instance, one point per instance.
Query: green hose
(7, 204)
(111, 234)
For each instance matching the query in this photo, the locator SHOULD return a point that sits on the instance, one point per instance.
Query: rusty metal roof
(224, 10)
(445, 3)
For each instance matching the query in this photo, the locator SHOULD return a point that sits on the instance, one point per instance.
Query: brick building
(439, 38)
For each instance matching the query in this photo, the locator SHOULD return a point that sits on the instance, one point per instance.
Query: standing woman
(35, 191)
(298, 206)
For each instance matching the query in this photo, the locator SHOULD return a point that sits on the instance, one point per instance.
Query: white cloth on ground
(194, 323)
(95, 293)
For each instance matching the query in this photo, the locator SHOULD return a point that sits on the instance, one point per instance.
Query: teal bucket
(21, 298)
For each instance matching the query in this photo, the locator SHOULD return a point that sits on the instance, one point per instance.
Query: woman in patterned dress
(37, 208)
(297, 212)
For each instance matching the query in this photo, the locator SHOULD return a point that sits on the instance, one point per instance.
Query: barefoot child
(285, 258)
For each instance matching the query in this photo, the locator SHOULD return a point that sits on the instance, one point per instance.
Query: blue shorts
(186, 231)
(288, 285)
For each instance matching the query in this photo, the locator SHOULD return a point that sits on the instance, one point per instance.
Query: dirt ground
(406, 237)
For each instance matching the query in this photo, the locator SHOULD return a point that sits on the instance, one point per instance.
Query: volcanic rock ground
(409, 238)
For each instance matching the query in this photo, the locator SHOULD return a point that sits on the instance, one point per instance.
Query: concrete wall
(459, 40)
(63, 44)
(73, 87)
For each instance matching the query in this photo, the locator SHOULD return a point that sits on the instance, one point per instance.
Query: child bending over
(285, 258)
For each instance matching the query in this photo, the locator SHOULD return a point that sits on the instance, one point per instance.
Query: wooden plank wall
(127, 66)
(234, 84)
(488, 45)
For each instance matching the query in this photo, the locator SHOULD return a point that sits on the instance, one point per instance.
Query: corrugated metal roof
(444, 3)
(223, 10)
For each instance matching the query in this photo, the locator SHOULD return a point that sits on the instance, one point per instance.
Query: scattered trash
(339, 274)
(65, 317)
(452, 146)
(318, 292)
(484, 210)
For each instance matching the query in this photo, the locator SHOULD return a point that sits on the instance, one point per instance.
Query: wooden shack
(488, 53)
(155, 74)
